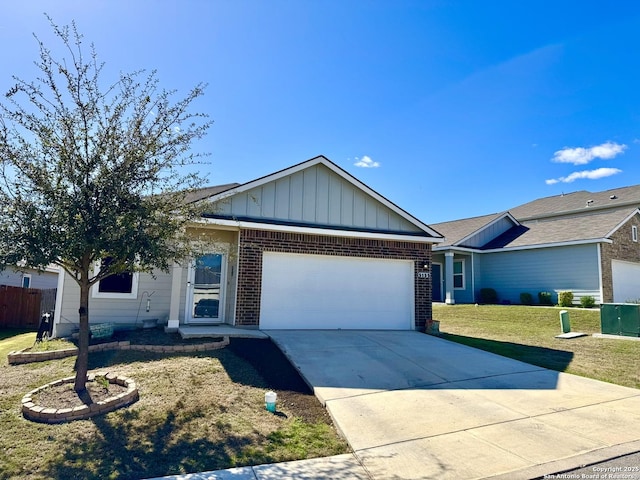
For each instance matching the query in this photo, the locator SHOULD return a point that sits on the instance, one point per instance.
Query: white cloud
(588, 174)
(582, 156)
(366, 162)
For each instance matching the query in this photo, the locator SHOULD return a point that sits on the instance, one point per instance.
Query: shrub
(587, 301)
(488, 295)
(565, 299)
(526, 298)
(545, 298)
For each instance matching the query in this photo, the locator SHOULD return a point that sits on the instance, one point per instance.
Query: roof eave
(230, 224)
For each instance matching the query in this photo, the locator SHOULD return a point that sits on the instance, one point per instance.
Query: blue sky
(450, 109)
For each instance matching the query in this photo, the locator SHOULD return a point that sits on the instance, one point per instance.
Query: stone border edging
(37, 413)
(24, 356)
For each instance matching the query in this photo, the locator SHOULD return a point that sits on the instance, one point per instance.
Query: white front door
(205, 294)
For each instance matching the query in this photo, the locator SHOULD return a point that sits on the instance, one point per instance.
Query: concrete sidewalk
(413, 406)
(339, 467)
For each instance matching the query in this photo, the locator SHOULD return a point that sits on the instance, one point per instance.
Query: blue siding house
(584, 242)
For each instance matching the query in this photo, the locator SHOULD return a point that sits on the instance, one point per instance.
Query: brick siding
(622, 248)
(254, 242)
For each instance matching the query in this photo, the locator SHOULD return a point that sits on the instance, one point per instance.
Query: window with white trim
(120, 285)
(458, 275)
(634, 233)
(26, 280)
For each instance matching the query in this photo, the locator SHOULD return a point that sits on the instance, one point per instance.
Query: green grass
(528, 334)
(12, 340)
(197, 412)
(53, 344)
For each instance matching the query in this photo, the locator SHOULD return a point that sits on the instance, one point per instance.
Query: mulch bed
(64, 396)
(151, 336)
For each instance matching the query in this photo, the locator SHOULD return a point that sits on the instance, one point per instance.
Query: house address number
(423, 274)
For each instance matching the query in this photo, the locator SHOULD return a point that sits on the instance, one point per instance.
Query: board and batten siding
(318, 196)
(545, 269)
(489, 233)
(124, 312)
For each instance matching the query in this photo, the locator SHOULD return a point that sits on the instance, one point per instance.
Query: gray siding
(465, 295)
(123, 312)
(486, 235)
(42, 281)
(315, 195)
(533, 271)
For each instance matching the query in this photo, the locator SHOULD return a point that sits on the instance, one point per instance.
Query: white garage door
(327, 292)
(626, 281)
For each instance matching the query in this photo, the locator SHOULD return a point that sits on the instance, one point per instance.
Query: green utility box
(620, 319)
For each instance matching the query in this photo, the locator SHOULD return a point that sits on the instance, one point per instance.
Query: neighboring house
(584, 242)
(307, 247)
(30, 278)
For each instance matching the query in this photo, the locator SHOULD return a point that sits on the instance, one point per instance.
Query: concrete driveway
(414, 406)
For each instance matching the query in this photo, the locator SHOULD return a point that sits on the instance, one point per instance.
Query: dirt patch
(64, 396)
(282, 377)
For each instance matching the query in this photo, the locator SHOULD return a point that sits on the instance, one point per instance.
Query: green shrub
(545, 298)
(488, 295)
(526, 298)
(565, 299)
(587, 301)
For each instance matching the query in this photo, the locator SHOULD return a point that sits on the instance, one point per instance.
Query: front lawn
(528, 334)
(196, 412)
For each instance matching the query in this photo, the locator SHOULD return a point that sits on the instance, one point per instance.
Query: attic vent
(613, 197)
(589, 202)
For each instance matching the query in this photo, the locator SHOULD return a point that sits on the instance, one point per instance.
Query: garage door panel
(626, 281)
(327, 292)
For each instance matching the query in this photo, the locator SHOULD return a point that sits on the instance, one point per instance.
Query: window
(121, 285)
(458, 274)
(26, 280)
(634, 233)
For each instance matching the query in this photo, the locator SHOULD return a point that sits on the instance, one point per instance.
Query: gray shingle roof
(458, 229)
(574, 217)
(594, 225)
(206, 192)
(577, 201)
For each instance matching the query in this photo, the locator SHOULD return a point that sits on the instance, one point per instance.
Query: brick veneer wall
(622, 248)
(254, 242)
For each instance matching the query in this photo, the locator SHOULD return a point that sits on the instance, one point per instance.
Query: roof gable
(476, 231)
(315, 193)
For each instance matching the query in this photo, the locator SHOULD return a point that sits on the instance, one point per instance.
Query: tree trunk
(82, 363)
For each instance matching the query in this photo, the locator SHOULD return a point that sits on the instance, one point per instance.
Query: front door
(436, 282)
(206, 296)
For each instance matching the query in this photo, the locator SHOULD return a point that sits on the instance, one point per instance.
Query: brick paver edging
(24, 356)
(37, 413)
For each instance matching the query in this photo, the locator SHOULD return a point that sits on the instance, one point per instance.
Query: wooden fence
(22, 307)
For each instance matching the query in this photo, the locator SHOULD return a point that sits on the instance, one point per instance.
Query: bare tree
(91, 172)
